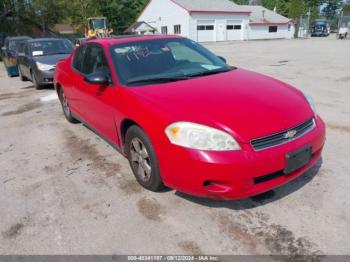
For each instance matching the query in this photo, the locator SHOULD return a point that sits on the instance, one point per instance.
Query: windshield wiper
(212, 72)
(157, 80)
(58, 53)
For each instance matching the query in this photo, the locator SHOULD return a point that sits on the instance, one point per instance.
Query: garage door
(206, 31)
(234, 30)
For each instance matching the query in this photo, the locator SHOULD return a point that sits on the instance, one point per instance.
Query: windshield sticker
(141, 52)
(36, 44)
(37, 53)
(134, 52)
(165, 49)
(210, 67)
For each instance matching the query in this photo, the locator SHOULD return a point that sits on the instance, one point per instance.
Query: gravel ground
(63, 190)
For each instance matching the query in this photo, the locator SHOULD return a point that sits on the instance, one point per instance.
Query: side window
(273, 29)
(95, 60)
(21, 48)
(26, 49)
(6, 44)
(78, 58)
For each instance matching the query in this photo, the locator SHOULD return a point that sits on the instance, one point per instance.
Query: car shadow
(45, 87)
(28, 87)
(259, 200)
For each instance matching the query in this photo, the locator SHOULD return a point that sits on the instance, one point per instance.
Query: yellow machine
(97, 28)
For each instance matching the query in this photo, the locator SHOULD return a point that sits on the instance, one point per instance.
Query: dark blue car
(10, 53)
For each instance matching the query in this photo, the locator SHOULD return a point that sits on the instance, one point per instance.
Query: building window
(272, 29)
(205, 27)
(233, 27)
(164, 30)
(177, 29)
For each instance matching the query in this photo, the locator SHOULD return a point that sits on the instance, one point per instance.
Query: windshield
(320, 23)
(98, 23)
(15, 44)
(164, 60)
(51, 47)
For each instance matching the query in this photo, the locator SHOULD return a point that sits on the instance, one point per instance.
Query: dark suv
(320, 28)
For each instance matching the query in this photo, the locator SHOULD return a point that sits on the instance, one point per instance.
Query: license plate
(298, 159)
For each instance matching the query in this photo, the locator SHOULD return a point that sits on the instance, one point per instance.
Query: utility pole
(308, 22)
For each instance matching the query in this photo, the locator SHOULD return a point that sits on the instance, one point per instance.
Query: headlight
(311, 101)
(200, 137)
(44, 67)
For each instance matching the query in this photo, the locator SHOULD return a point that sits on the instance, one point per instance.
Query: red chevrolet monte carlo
(187, 120)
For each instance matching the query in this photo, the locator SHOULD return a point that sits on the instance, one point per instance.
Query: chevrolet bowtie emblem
(290, 134)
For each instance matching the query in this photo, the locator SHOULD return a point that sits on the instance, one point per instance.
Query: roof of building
(136, 25)
(217, 6)
(63, 28)
(262, 15)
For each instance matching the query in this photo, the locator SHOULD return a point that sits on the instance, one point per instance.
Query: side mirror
(3, 48)
(98, 78)
(223, 59)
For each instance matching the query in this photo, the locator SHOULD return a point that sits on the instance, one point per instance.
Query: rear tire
(65, 107)
(143, 160)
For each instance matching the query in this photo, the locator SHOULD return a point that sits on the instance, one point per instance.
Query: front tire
(35, 82)
(65, 107)
(21, 77)
(143, 160)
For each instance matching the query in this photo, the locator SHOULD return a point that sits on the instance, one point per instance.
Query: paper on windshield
(37, 53)
(210, 67)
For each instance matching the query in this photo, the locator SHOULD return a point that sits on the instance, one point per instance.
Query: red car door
(76, 77)
(98, 101)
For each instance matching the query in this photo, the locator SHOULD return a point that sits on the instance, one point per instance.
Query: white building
(215, 20)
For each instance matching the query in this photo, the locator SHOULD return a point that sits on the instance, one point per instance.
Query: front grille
(266, 178)
(284, 136)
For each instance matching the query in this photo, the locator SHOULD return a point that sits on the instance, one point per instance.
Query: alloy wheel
(140, 159)
(65, 105)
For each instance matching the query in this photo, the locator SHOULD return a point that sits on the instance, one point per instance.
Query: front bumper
(236, 174)
(319, 34)
(44, 77)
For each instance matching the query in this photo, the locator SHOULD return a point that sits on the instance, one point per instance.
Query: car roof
(129, 39)
(17, 37)
(44, 39)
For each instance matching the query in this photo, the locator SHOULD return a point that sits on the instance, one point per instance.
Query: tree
(120, 14)
(314, 7)
(46, 12)
(331, 8)
(346, 8)
(78, 11)
(296, 9)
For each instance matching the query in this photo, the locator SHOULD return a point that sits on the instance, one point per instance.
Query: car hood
(51, 59)
(246, 104)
